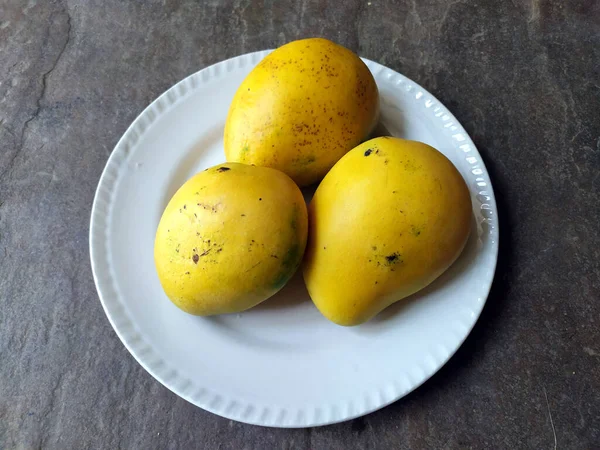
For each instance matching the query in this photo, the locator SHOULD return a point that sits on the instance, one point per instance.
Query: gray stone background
(522, 77)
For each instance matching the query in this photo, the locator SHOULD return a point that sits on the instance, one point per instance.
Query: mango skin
(231, 237)
(388, 219)
(301, 109)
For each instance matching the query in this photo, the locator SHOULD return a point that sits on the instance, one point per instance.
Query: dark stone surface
(521, 76)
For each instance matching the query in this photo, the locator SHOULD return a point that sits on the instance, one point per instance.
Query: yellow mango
(301, 109)
(388, 219)
(230, 237)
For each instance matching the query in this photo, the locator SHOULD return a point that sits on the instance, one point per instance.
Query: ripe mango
(388, 219)
(301, 109)
(230, 237)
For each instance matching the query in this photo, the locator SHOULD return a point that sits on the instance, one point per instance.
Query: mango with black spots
(231, 237)
(388, 219)
(301, 109)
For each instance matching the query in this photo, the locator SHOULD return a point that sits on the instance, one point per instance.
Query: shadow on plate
(293, 294)
(380, 130)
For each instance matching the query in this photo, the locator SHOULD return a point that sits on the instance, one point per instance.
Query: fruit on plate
(301, 109)
(388, 219)
(230, 238)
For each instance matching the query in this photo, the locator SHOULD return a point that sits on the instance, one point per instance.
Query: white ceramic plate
(280, 364)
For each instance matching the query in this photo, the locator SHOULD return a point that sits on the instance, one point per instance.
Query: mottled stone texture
(521, 76)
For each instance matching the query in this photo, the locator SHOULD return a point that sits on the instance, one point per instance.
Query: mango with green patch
(301, 109)
(388, 219)
(230, 237)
